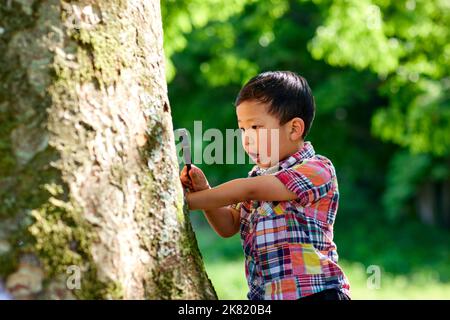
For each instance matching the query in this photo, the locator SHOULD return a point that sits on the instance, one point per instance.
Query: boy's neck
(289, 153)
(296, 148)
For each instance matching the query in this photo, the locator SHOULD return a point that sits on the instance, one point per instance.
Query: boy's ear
(297, 128)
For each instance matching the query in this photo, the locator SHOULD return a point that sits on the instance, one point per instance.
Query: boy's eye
(253, 127)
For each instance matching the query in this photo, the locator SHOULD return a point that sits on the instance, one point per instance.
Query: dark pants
(330, 294)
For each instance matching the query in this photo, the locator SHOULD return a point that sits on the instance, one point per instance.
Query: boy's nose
(251, 147)
(246, 140)
(249, 139)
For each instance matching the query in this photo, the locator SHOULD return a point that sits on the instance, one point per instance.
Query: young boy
(285, 209)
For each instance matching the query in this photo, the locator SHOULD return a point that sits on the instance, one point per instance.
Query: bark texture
(89, 186)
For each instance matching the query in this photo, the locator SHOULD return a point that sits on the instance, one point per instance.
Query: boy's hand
(198, 181)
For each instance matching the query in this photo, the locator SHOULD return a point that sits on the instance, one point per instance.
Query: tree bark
(90, 201)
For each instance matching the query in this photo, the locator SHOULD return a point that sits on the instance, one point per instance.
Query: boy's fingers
(184, 177)
(187, 184)
(184, 173)
(194, 172)
(185, 180)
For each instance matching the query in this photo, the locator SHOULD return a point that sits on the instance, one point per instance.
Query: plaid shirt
(288, 245)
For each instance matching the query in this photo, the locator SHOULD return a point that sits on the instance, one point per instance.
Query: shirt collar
(307, 151)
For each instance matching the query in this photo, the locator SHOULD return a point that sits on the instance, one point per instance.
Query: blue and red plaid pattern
(288, 245)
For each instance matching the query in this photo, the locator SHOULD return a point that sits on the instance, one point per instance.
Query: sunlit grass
(228, 278)
(229, 281)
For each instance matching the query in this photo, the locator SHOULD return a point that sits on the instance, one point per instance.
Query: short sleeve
(310, 181)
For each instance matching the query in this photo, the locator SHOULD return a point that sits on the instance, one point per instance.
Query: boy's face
(264, 140)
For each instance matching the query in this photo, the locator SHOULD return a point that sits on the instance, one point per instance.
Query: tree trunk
(90, 201)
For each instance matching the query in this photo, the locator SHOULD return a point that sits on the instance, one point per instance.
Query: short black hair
(287, 94)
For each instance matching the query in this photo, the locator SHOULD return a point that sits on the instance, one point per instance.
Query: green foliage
(407, 173)
(182, 16)
(407, 44)
(418, 117)
(353, 34)
(403, 180)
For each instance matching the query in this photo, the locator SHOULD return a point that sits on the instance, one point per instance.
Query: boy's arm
(225, 221)
(263, 188)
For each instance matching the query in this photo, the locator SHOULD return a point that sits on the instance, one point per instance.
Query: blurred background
(379, 71)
